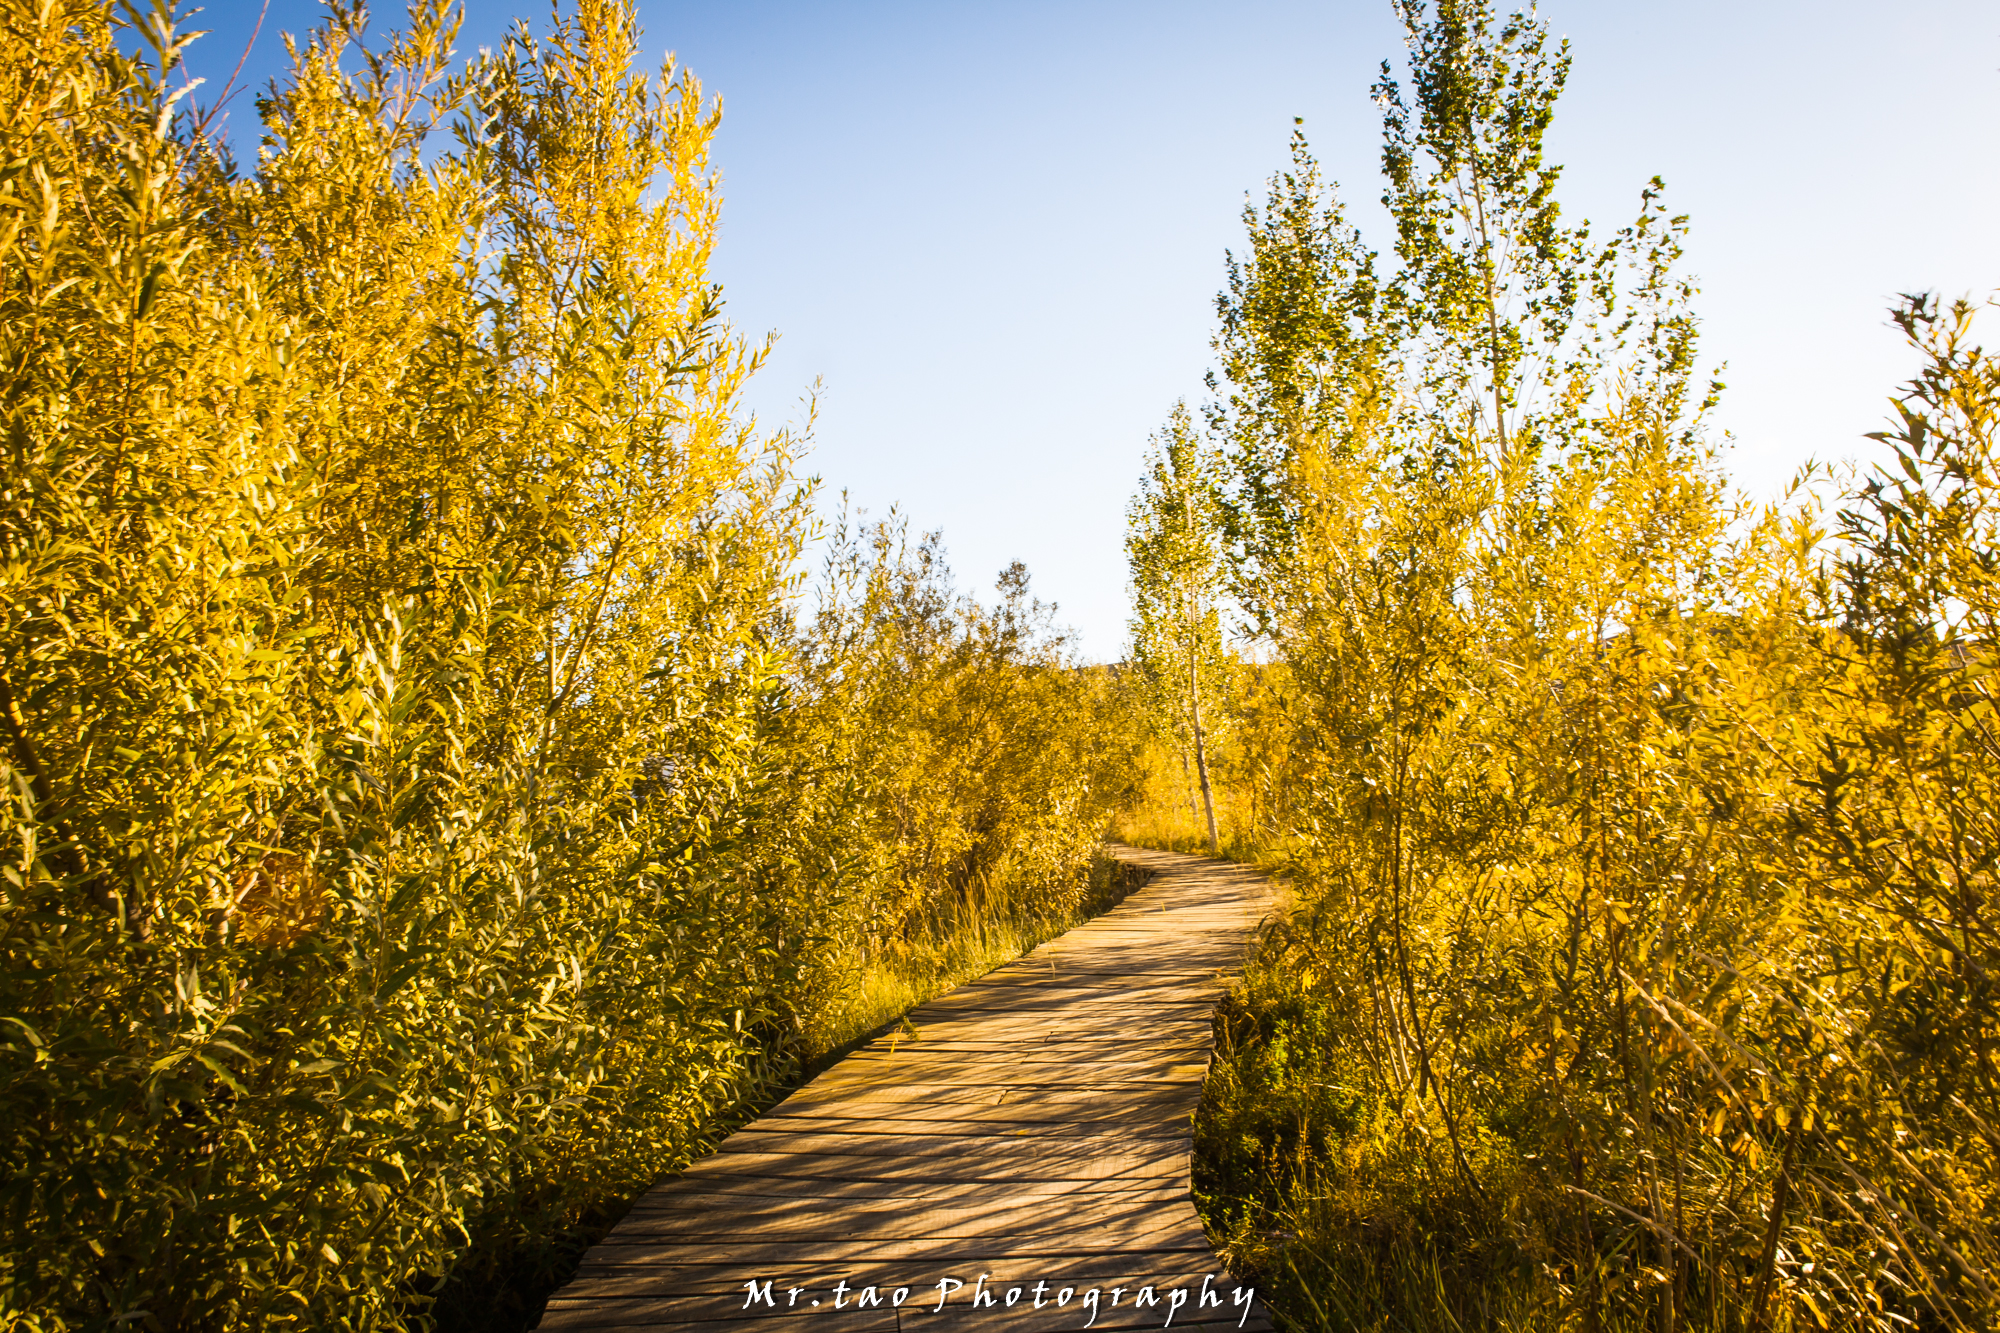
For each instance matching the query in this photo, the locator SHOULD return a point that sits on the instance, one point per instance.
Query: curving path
(1028, 1128)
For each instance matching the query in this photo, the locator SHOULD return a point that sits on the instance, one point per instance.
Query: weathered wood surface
(1029, 1127)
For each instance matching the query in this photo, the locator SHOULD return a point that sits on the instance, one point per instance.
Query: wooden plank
(911, 1196)
(859, 1092)
(1193, 1044)
(1081, 1053)
(1002, 1104)
(1151, 1115)
(719, 1191)
(1030, 1069)
(1118, 1028)
(925, 1279)
(1032, 1225)
(996, 1046)
(1135, 965)
(753, 1139)
(1000, 1214)
(777, 1254)
(911, 1201)
(1072, 1050)
(1029, 996)
(1107, 1038)
(1105, 1113)
(1043, 1161)
(1058, 980)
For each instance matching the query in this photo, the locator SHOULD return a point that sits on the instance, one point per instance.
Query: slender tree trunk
(1200, 755)
(1492, 315)
(1187, 786)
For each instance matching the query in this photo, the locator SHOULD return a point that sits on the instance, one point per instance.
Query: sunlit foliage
(426, 821)
(1639, 973)
(1174, 545)
(967, 763)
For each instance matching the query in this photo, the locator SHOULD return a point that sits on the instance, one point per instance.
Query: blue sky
(994, 232)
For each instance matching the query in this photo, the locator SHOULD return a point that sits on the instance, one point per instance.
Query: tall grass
(1247, 749)
(988, 935)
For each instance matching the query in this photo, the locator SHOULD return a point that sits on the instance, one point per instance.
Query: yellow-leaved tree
(1640, 969)
(390, 585)
(428, 819)
(1174, 551)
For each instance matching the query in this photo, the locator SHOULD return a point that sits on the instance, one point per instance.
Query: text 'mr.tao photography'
(1158, 1298)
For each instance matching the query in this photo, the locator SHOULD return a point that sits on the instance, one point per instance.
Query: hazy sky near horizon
(994, 232)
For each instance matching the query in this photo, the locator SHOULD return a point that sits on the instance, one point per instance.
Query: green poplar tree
(1514, 326)
(1175, 549)
(1301, 359)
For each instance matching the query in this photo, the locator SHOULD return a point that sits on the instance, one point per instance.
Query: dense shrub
(1640, 967)
(1644, 980)
(963, 766)
(424, 822)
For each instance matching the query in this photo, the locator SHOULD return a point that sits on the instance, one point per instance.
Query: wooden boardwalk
(1029, 1128)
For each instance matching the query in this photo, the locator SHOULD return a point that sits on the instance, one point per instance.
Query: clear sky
(995, 231)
